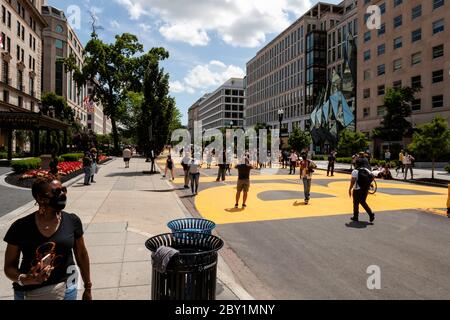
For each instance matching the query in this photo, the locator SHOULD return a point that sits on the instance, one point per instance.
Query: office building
(224, 108)
(60, 41)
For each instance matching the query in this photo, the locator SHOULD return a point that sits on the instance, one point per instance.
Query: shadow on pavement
(163, 190)
(125, 174)
(358, 225)
(235, 210)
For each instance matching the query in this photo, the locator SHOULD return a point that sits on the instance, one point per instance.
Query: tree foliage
(351, 142)
(397, 102)
(432, 140)
(113, 70)
(299, 140)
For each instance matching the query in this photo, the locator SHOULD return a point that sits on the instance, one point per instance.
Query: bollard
(448, 202)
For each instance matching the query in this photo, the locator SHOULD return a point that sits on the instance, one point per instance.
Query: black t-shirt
(25, 234)
(244, 171)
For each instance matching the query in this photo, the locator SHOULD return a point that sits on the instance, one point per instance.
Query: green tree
(351, 142)
(397, 103)
(62, 110)
(113, 70)
(432, 140)
(158, 114)
(299, 140)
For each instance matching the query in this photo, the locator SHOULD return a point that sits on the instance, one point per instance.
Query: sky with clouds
(209, 41)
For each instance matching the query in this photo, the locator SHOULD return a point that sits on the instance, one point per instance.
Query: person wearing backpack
(360, 185)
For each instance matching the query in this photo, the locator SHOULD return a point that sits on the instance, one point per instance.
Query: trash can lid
(193, 242)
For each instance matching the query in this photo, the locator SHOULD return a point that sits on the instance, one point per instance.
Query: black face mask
(58, 202)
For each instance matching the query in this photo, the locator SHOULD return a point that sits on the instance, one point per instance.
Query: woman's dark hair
(40, 184)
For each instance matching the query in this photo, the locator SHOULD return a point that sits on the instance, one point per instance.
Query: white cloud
(242, 23)
(206, 76)
(185, 33)
(134, 7)
(145, 27)
(114, 24)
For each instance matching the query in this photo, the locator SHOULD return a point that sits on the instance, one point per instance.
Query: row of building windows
(416, 105)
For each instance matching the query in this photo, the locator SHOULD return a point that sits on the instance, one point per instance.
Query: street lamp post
(231, 124)
(280, 118)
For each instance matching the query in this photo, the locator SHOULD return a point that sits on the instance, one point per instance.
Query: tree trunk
(115, 135)
(432, 168)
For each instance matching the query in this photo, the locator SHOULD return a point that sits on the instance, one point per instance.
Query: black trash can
(190, 275)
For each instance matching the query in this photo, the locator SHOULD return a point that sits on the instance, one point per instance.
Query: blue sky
(209, 41)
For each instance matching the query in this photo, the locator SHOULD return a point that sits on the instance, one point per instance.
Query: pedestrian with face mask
(47, 240)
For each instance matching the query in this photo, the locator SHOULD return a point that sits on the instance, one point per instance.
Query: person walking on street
(222, 169)
(53, 165)
(152, 160)
(306, 171)
(243, 182)
(408, 164)
(194, 175)
(293, 162)
(185, 164)
(387, 156)
(169, 166)
(362, 177)
(126, 154)
(94, 158)
(87, 168)
(401, 155)
(208, 159)
(331, 161)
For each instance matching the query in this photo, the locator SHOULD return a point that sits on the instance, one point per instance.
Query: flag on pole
(86, 102)
(1, 42)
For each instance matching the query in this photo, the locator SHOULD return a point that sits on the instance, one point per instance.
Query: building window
(398, 21)
(438, 101)
(20, 102)
(416, 12)
(366, 93)
(366, 74)
(367, 55)
(58, 44)
(397, 84)
(416, 58)
(59, 29)
(416, 105)
(438, 51)
(397, 64)
(416, 82)
(6, 96)
(381, 49)
(438, 76)
(397, 2)
(437, 4)
(367, 36)
(416, 35)
(398, 43)
(382, 29)
(366, 112)
(381, 111)
(438, 26)
(381, 90)
(381, 69)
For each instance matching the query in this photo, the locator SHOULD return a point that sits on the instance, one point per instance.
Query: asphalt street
(326, 256)
(11, 199)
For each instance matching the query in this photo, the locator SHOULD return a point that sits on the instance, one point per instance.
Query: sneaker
(306, 201)
(244, 206)
(372, 217)
(354, 219)
(236, 206)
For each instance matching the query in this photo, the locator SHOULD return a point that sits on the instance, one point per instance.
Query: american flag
(89, 104)
(1, 42)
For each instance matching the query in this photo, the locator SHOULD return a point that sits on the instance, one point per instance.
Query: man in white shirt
(293, 158)
(360, 190)
(127, 156)
(407, 163)
(185, 164)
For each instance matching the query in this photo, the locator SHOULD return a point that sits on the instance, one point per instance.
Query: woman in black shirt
(169, 166)
(46, 239)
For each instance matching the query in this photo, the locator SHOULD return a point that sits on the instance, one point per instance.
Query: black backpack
(365, 178)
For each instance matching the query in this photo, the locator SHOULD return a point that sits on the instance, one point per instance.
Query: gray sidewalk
(123, 209)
